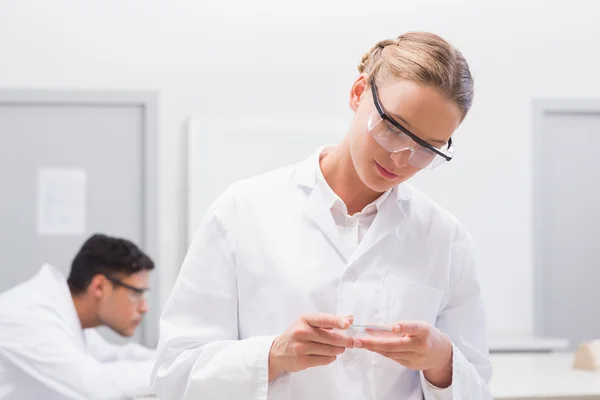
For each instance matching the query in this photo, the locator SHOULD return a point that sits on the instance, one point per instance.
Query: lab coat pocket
(407, 301)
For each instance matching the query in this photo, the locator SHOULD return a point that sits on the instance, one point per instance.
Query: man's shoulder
(30, 306)
(21, 307)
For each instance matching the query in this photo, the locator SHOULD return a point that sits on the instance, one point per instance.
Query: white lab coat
(268, 251)
(44, 353)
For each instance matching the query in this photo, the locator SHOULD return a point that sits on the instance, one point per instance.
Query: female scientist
(288, 268)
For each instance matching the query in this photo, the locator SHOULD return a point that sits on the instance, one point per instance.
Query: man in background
(49, 348)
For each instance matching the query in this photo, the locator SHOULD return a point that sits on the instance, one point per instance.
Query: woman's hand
(418, 346)
(309, 342)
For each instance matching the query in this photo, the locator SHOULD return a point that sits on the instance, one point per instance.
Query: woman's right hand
(309, 342)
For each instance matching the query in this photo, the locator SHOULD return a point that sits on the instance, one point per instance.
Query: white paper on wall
(61, 201)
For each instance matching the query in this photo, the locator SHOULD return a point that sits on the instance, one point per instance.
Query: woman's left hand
(417, 346)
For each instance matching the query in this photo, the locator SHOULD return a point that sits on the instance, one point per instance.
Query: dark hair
(102, 254)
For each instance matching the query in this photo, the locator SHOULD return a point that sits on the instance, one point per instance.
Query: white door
(567, 223)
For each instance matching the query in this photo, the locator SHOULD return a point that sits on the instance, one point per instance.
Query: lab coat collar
(393, 211)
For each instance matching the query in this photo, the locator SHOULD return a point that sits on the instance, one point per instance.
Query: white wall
(251, 56)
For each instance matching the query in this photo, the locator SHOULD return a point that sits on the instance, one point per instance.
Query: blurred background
(143, 111)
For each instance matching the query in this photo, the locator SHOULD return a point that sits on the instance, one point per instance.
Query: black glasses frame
(118, 282)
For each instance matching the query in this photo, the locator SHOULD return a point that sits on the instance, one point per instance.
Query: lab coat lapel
(390, 219)
(52, 284)
(319, 211)
(317, 208)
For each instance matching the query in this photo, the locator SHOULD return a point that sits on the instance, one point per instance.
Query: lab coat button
(352, 222)
(350, 277)
(348, 359)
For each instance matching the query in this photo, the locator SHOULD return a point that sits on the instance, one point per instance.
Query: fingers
(397, 344)
(324, 336)
(350, 319)
(320, 349)
(332, 338)
(321, 329)
(412, 328)
(308, 333)
(326, 321)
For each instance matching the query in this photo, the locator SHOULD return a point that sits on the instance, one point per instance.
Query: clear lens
(137, 297)
(424, 158)
(393, 140)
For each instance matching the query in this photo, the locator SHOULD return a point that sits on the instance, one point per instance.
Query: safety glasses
(395, 138)
(135, 294)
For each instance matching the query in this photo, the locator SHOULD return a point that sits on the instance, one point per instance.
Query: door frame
(148, 101)
(541, 108)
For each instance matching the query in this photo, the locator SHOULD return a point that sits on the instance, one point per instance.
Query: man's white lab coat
(268, 251)
(44, 353)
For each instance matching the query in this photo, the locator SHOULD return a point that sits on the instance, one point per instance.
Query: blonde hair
(423, 58)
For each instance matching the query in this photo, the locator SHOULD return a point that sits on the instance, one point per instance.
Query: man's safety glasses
(136, 294)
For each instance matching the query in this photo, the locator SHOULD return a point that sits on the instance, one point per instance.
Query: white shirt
(269, 250)
(45, 354)
(352, 228)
